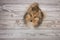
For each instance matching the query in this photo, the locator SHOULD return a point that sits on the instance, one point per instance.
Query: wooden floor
(12, 26)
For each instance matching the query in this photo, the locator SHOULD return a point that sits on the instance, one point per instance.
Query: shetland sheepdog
(34, 16)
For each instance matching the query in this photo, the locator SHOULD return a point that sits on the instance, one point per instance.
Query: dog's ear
(44, 14)
(24, 17)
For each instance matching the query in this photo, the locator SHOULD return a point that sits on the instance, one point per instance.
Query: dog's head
(34, 7)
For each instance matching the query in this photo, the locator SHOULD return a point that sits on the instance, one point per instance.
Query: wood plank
(12, 25)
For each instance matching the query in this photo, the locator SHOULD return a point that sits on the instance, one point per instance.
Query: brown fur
(34, 15)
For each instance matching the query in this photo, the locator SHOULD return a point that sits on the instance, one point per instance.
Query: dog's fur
(34, 16)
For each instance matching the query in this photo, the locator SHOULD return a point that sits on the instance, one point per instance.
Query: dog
(34, 16)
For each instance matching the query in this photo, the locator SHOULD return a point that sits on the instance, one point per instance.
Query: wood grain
(12, 26)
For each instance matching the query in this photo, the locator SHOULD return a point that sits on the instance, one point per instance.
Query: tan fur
(33, 15)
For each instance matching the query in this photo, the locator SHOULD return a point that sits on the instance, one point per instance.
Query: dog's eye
(35, 17)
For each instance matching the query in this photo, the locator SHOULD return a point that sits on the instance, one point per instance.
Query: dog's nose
(30, 20)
